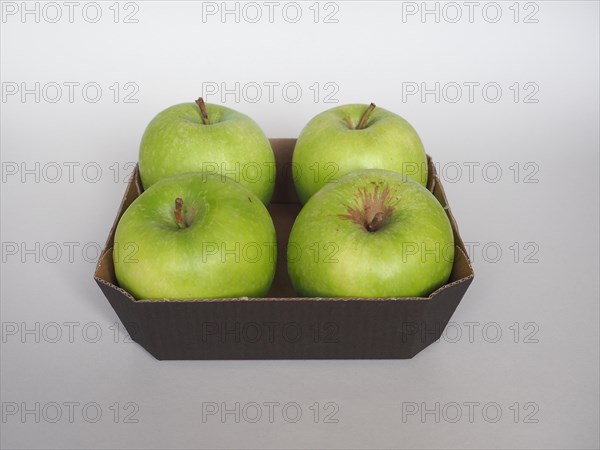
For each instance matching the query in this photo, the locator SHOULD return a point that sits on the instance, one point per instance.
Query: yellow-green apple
(199, 137)
(195, 235)
(374, 233)
(352, 137)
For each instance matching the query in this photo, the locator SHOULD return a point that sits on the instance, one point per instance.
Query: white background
(545, 199)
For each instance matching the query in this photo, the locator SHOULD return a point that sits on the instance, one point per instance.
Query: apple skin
(410, 255)
(330, 147)
(177, 141)
(228, 249)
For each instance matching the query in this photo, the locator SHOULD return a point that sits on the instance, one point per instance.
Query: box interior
(284, 208)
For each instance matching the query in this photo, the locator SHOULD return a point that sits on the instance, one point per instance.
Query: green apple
(374, 233)
(195, 235)
(352, 137)
(199, 137)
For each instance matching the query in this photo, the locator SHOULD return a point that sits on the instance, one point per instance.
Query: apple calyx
(179, 213)
(203, 112)
(371, 209)
(365, 117)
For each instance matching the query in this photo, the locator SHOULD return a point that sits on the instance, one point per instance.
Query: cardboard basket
(283, 325)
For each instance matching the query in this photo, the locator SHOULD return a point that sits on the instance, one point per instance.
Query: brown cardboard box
(284, 326)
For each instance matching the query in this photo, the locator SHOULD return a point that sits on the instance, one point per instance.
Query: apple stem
(376, 223)
(179, 213)
(203, 112)
(365, 117)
